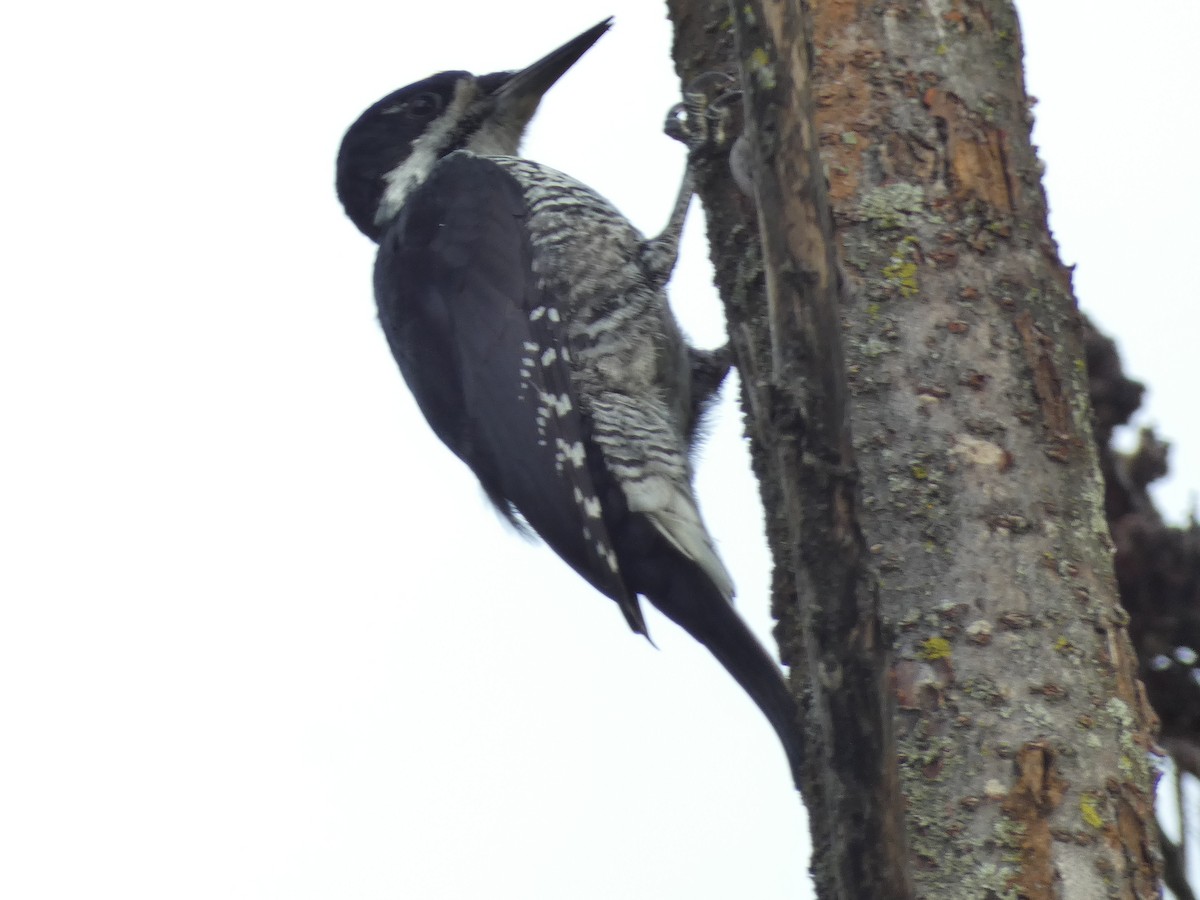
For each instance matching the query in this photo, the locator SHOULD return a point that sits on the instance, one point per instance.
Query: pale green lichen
(1040, 717)
(1133, 763)
(893, 206)
(990, 880)
(873, 347)
(1009, 834)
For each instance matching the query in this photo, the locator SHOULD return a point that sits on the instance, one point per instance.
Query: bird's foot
(709, 118)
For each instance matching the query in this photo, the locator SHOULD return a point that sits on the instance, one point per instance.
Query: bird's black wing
(485, 350)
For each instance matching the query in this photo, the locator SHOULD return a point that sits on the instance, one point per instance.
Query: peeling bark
(1013, 722)
(1037, 791)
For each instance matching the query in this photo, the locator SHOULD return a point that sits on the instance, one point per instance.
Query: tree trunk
(974, 717)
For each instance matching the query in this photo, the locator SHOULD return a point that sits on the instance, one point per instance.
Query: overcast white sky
(260, 635)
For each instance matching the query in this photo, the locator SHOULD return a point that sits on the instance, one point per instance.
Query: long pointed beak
(521, 92)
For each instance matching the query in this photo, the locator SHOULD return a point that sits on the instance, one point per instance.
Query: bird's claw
(707, 118)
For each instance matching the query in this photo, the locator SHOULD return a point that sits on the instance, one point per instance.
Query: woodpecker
(529, 319)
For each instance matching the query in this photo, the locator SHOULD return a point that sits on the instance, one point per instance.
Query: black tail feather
(685, 594)
(716, 625)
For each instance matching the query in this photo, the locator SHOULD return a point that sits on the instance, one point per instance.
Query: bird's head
(395, 144)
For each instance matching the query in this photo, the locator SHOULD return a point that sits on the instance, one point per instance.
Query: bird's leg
(700, 124)
(660, 254)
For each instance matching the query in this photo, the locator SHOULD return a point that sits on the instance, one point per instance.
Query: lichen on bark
(1020, 729)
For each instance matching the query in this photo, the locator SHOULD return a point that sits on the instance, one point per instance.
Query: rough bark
(1013, 722)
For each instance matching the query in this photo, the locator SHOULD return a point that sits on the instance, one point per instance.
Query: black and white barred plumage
(529, 318)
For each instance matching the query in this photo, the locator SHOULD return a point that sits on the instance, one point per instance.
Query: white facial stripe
(499, 135)
(415, 168)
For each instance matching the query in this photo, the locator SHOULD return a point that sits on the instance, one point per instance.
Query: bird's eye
(424, 106)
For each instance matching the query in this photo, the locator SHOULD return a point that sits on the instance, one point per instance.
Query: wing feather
(485, 351)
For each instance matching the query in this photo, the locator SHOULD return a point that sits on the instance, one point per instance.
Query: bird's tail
(694, 604)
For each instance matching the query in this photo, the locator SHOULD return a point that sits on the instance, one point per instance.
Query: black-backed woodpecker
(530, 320)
